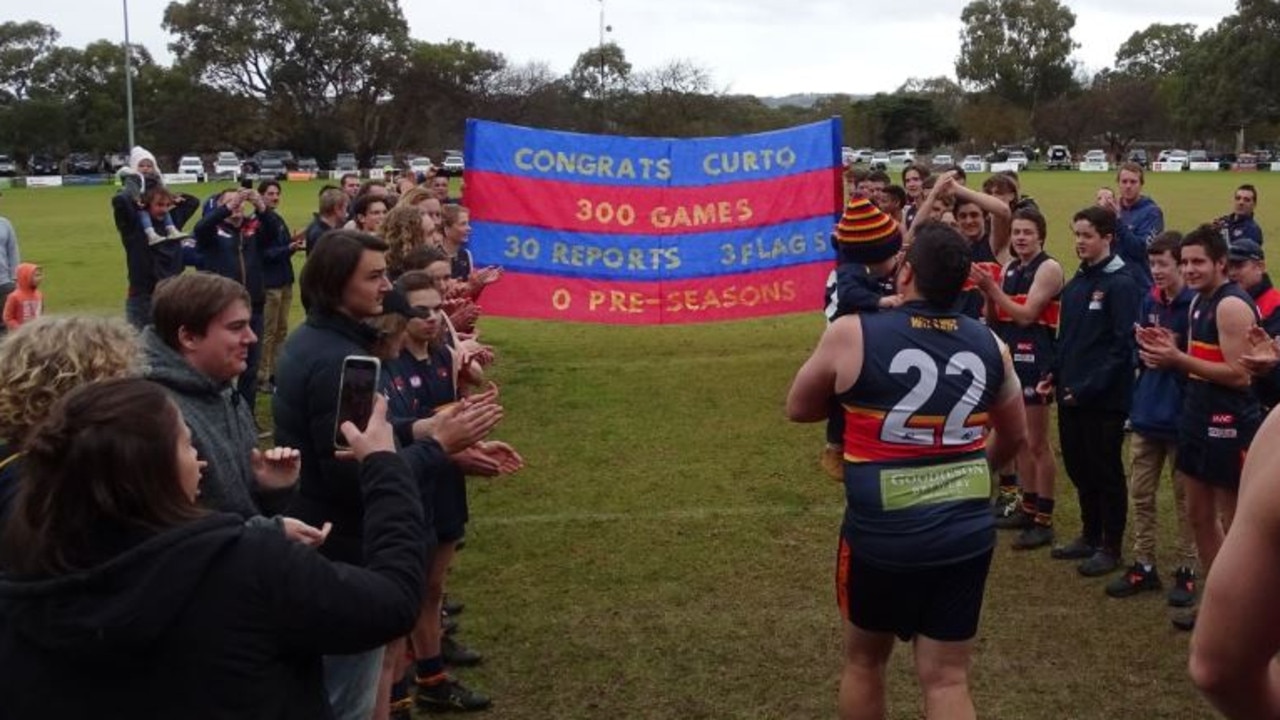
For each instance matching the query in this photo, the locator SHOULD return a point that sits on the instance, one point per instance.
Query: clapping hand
(1157, 346)
(300, 532)
(277, 468)
(1263, 354)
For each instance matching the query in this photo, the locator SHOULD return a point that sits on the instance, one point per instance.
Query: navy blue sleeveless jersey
(1032, 345)
(971, 301)
(916, 479)
(1212, 411)
(460, 265)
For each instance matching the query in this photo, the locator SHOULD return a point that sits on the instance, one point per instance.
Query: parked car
(904, 156)
(227, 165)
(1176, 156)
(1138, 155)
(8, 168)
(942, 161)
(879, 160)
(421, 164)
(272, 167)
(284, 156)
(42, 164)
(453, 164)
(846, 156)
(1198, 156)
(345, 163)
(82, 163)
(1058, 158)
(1095, 156)
(308, 165)
(1264, 156)
(1019, 159)
(192, 165)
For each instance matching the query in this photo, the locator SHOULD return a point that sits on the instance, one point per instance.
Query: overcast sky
(762, 47)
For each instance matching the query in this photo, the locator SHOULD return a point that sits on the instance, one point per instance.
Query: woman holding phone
(115, 577)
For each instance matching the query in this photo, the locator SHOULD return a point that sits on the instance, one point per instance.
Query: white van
(192, 165)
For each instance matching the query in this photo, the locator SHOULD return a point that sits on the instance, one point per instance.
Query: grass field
(668, 552)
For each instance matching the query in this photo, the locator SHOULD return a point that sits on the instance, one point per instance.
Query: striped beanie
(865, 233)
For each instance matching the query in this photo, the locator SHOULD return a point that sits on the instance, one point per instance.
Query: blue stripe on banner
(652, 162)
(522, 248)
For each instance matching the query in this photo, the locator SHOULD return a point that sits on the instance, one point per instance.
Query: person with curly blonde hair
(46, 359)
(403, 230)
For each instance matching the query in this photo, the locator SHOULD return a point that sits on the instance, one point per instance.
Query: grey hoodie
(221, 423)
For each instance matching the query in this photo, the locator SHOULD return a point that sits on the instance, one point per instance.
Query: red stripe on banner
(708, 299)
(634, 210)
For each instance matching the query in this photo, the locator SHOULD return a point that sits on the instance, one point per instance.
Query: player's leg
(943, 670)
(862, 681)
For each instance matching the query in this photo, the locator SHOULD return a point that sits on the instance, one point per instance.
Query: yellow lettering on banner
(560, 299)
(589, 165)
(783, 291)
(766, 249)
(619, 301)
(747, 161)
(614, 258)
(605, 212)
(696, 216)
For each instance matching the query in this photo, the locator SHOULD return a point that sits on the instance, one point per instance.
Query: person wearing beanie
(137, 176)
(867, 241)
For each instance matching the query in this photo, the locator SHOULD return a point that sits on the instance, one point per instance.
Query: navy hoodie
(1157, 394)
(1094, 352)
(1136, 227)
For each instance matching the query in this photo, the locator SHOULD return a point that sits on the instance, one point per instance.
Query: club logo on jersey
(415, 381)
(1095, 300)
(1024, 352)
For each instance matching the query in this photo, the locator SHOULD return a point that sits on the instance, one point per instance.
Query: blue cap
(1245, 249)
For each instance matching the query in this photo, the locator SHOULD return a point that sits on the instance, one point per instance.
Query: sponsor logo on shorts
(1025, 358)
(1222, 419)
(1223, 433)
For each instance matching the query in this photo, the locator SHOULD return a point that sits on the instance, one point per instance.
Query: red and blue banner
(598, 228)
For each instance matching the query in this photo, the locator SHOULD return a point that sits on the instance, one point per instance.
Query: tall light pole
(128, 76)
(604, 120)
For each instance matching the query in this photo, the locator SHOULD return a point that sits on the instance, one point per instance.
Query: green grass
(668, 552)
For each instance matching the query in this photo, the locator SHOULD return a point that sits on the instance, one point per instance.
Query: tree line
(326, 76)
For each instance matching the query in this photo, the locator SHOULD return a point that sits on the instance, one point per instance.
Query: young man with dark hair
(1024, 310)
(1092, 377)
(197, 347)
(1220, 411)
(1157, 403)
(344, 284)
(350, 184)
(893, 201)
(1240, 224)
(918, 536)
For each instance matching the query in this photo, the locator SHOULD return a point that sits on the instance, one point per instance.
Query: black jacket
(149, 264)
(277, 255)
(212, 619)
(233, 252)
(304, 409)
(1094, 351)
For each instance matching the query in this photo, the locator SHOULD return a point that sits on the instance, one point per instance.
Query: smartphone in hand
(355, 395)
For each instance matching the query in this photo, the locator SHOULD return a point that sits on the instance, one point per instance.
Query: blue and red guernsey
(1031, 345)
(1211, 410)
(916, 477)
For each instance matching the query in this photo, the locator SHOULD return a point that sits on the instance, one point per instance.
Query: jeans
(1092, 446)
(275, 328)
(137, 310)
(352, 683)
